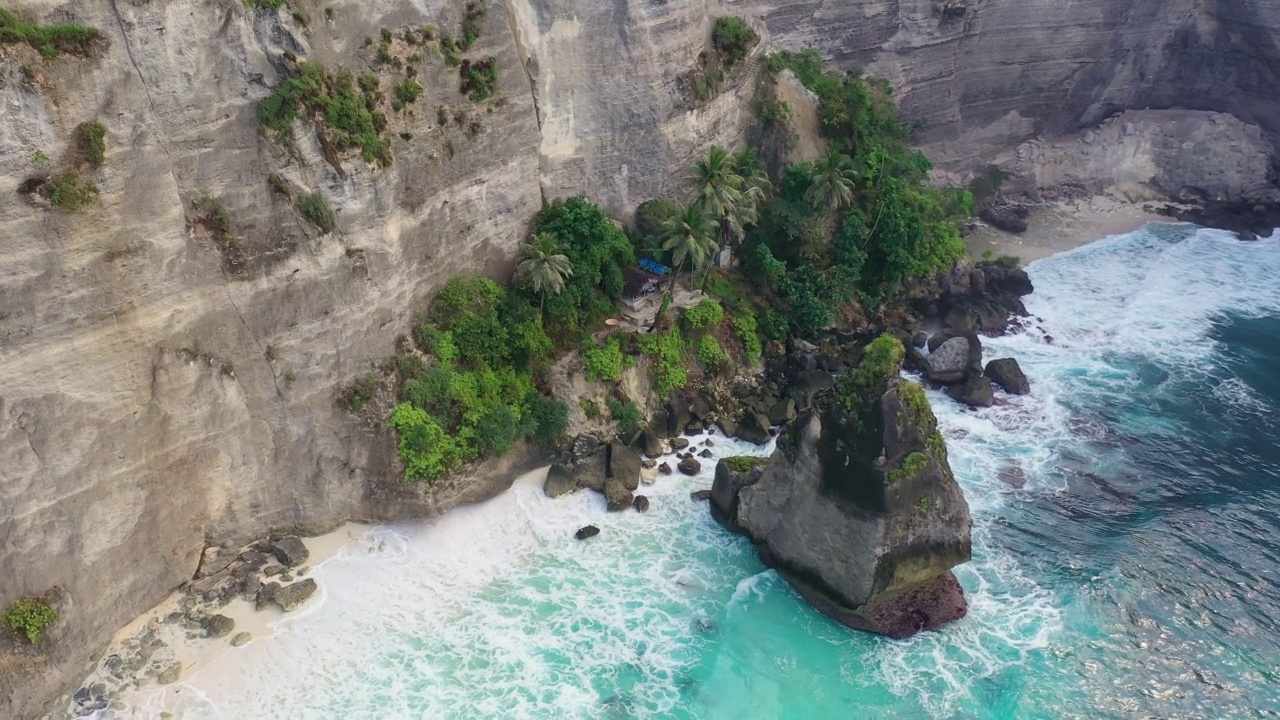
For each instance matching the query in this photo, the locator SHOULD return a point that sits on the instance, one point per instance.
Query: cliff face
(121, 453)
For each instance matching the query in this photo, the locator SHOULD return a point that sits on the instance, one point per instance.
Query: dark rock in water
(689, 466)
(664, 469)
(679, 443)
(1048, 339)
(704, 454)
(584, 445)
(648, 463)
(216, 626)
(699, 495)
(1248, 219)
(1008, 217)
(949, 363)
(586, 532)
(728, 426)
(624, 464)
(694, 427)
(1006, 373)
(640, 503)
(560, 481)
(858, 509)
(1013, 476)
(920, 339)
(290, 551)
(709, 442)
(249, 587)
(616, 495)
(783, 411)
(273, 570)
(754, 429)
(975, 392)
(291, 597)
(651, 443)
(267, 595)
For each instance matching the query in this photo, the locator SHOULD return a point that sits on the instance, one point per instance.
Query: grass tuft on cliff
(348, 116)
(50, 40)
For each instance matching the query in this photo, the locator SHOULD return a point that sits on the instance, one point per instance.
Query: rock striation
(857, 508)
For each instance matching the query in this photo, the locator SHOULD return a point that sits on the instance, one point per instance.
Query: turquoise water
(1134, 574)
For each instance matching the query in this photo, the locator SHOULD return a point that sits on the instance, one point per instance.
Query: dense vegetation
(349, 113)
(731, 41)
(50, 40)
(29, 617)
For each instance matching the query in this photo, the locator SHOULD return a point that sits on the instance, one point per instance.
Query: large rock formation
(857, 508)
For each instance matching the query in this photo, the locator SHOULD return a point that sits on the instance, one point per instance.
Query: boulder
(584, 446)
(664, 469)
(1006, 373)
(648, 463)
(694, 427)
(920, 339)
(705, 453)
(291, 597)
(658, 424)
(732, 474)
(651, 443)
(754, 429)
(700, 495)
(690, 466)
(678, 415)
(700, 408)
(216, 626)
(805, 386)
(1008, 217)
(640, 503)
(241, 639)
(679, 443)
(590, 471)
(935, 340)
(616, 494)
(782, 412)
(170, 675)
(290, 551)
(624, 464)
(728, 426)
(586, 532)
(975, 392)
(560, 481)
(858, 511)
(950, 362)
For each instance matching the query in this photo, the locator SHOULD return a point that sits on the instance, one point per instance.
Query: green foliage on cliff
(604, 362)
(745, 327)
(711, 355)
(51, 39)
(704, 315)
(29, 617)
(478, 397)
(472, 16)
(628, 417)
(479, 79)
(91, 143)
(315, 210)
(333, 101)
(910, 465)
(742, 463)
(732, 39)
(597, 250)
(881, 362)
(71, 192)
(666, 351)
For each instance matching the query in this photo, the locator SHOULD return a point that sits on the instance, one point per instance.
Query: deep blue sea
(1126, 553)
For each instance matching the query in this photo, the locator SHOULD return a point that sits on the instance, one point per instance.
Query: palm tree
(543, 268)
(717, 189)
(691, 238)
(832, 183)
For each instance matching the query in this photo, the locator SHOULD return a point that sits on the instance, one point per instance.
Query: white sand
(1062, 225)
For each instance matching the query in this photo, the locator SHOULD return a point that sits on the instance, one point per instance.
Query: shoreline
(1061, 225)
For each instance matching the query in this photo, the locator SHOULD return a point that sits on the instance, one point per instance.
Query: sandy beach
(1062, 225)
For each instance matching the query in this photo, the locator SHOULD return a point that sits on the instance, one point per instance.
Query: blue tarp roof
(653, 267)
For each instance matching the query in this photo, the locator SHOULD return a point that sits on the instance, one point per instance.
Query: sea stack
(857, 508)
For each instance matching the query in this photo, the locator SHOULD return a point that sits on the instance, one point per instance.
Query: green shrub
(589, 408)
(279, 185)
(705, 314)
(473, 15)
(745, 328)
(360, 392)
(711, 355)
(548, 419)
(71, 192)
(881, 362)
(479, 79)
(351, 116)
(431, 391)
(604, 362)
(598, 250)
(628, 417)
(425, 449)
(91, 145)
(1012, 261)
(667, 354)
(406, 92)
(50, 39)
(732, 40)
(29, 617)
(315, 210)
(742, 463)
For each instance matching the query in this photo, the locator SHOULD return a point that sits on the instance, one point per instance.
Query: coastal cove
(495, 609)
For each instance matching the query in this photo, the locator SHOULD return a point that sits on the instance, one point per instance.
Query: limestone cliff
(857, 508)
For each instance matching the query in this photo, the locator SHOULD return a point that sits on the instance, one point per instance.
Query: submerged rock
(640, 503)
(664, 469)
(586, 532)
(857, 508)
(700, 495)
(1006, 373)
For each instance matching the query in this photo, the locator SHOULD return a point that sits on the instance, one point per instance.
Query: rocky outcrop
(857, 508)
(292, 596)
(950, 362)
